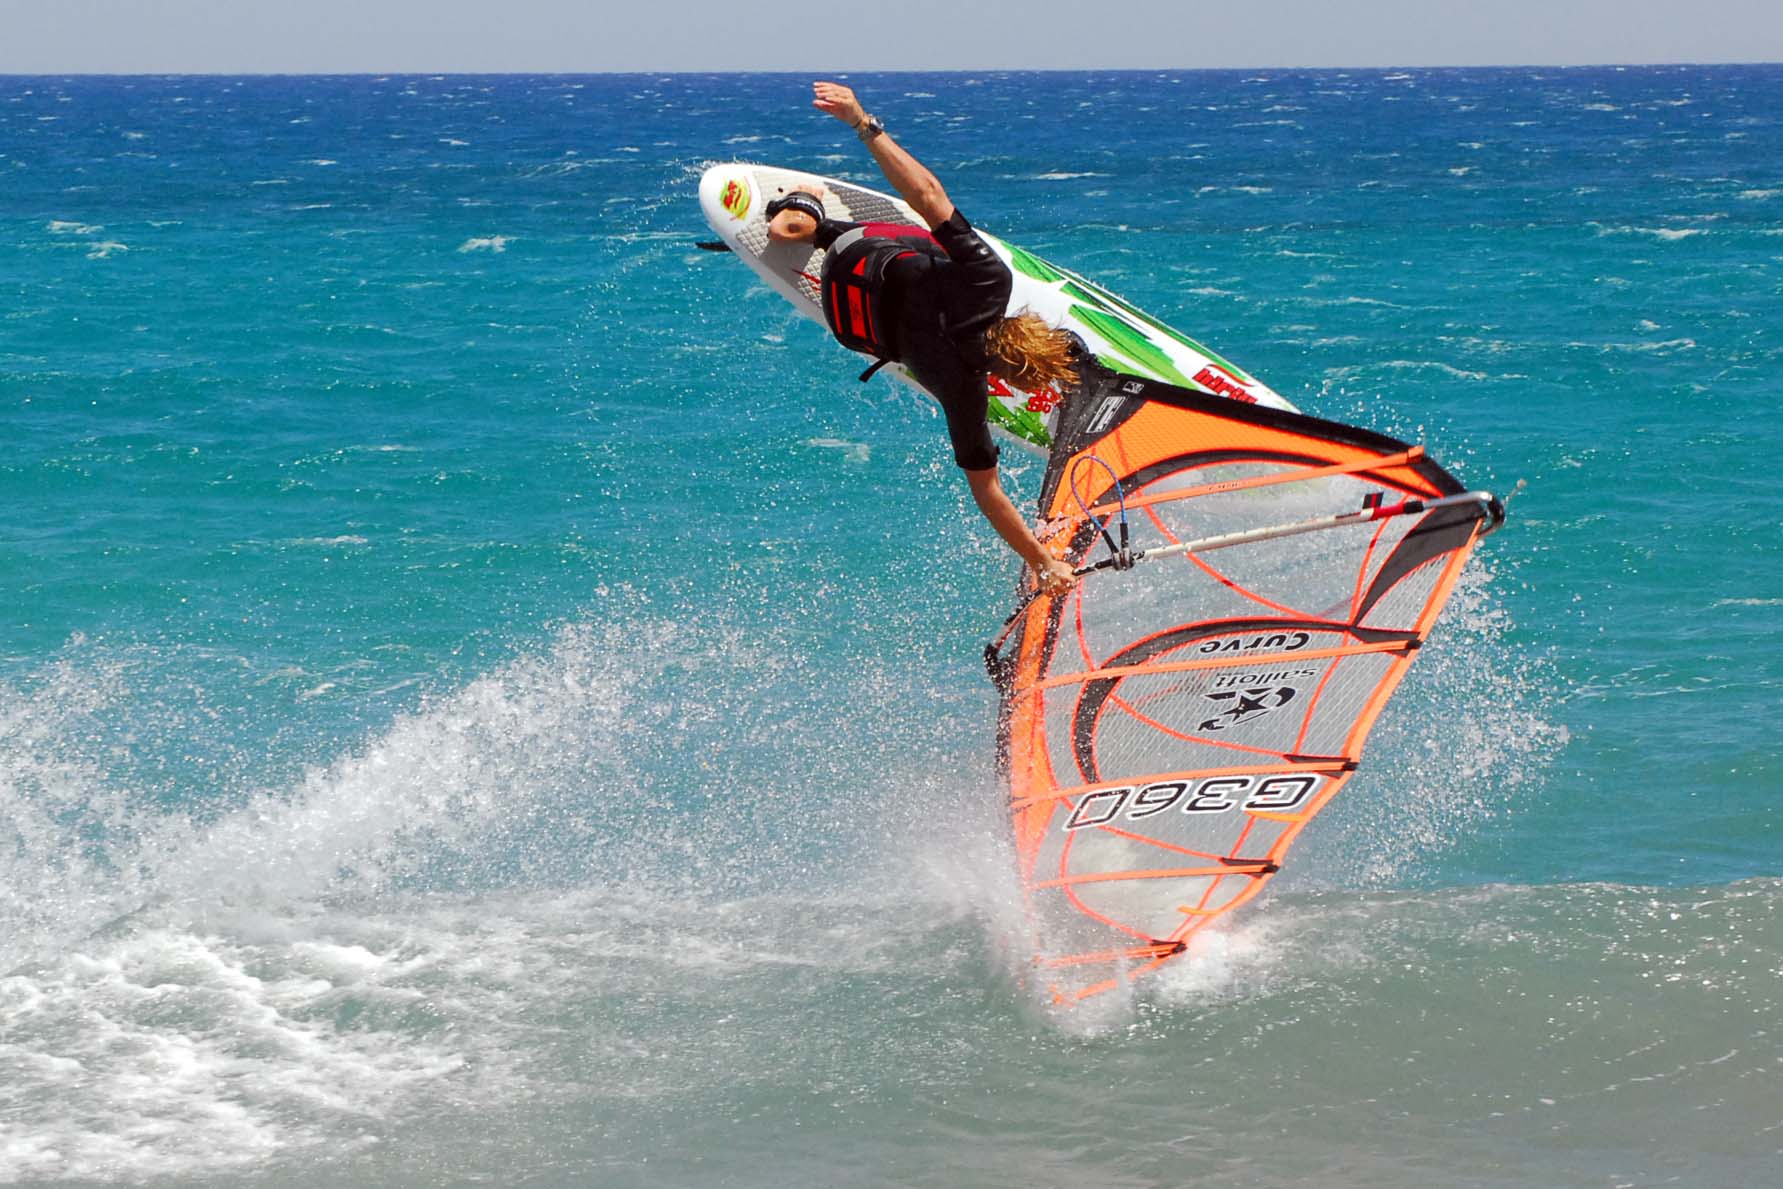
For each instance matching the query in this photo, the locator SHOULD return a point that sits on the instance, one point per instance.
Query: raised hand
(839, 101)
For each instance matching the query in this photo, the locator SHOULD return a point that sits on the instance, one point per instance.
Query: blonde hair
(1029, 353)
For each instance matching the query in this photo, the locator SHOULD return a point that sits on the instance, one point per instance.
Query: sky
(578, 36)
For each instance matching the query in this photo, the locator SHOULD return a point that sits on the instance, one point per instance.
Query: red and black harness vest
(853, 282)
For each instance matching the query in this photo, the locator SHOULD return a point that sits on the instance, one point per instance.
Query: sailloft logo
(1246, 705)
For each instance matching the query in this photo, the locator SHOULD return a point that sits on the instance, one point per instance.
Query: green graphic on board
(1178, 335)
(1023, 423)
(1132, 342)
(1030, 265)
(1123, 324)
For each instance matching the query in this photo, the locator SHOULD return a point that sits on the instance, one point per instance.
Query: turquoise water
(485, 695)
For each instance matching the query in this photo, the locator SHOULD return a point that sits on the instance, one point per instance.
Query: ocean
(487, 698)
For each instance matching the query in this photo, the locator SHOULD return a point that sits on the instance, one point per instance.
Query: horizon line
(962, 70)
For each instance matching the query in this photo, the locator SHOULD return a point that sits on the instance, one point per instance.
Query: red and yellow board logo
(735, 198)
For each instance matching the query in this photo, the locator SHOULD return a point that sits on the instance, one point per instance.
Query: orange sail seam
(1066, 881)
(1383, 462)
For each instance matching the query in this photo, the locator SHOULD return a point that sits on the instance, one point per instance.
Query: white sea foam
(267, 994)
(1446, 369)
(443, 773)
(851, 451)
(70, 227)
(329, 542)
(1663, 233)
(1347, 300)
(101, 250)
(171, 1051)
(1666, 347)
(1065, 175)
(557, 169)
(493, 243)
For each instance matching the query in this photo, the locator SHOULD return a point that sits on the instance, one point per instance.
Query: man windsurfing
(933, 300)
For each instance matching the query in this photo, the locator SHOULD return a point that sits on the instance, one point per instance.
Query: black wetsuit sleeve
(979, 284)
(938, 366)
(973, 449)
(830, 230)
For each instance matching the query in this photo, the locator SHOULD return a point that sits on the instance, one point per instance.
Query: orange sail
(1169, 726)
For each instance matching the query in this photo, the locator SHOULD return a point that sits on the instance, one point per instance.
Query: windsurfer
(934, 301)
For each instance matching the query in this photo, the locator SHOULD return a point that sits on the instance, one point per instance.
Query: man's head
(793, 217)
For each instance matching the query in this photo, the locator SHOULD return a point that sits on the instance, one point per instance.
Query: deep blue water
(485, 695)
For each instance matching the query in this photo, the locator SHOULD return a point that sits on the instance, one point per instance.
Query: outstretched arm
(1053, 575)
(908, 176)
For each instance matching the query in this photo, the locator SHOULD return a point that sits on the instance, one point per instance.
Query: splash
(459, 791)
(75, 851)
(1470, 732)
(380, 940)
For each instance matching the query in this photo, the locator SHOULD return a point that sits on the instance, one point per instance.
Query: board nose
(728, 195)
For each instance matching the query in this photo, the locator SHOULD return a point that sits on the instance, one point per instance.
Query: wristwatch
(868, 128)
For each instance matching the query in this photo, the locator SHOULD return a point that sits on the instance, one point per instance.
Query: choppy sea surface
(485, 697)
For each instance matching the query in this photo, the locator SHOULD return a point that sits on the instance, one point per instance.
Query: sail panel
(1169, 728)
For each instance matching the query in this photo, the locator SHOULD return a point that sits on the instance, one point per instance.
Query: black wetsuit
(936, 311)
